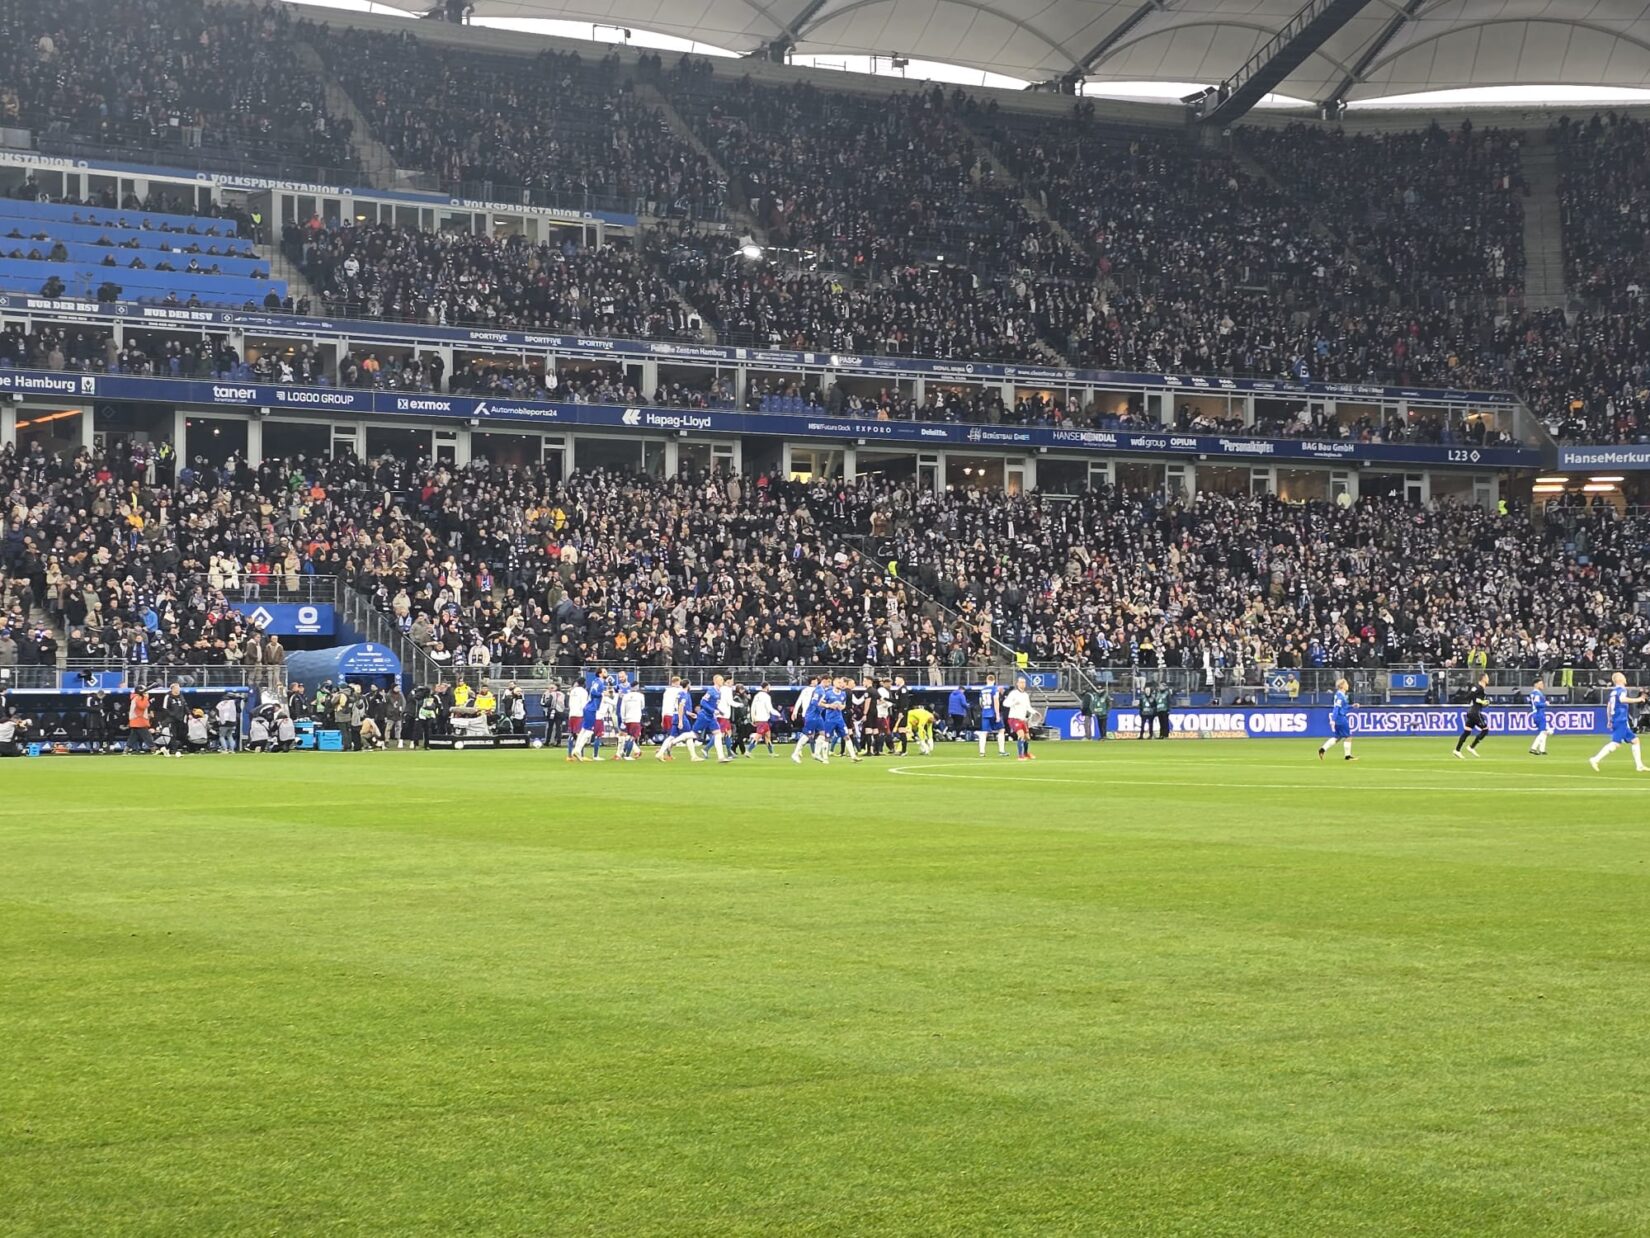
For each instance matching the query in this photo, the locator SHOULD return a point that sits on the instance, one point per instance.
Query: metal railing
(186, 158)
(89, 676)
(356, 609)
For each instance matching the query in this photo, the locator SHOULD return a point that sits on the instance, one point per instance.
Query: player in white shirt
(607, 722)
(1017, 705)
(991, 715)
(799, 714)
(668, 706)
(578, 696)
(631, 705)
(762, 714)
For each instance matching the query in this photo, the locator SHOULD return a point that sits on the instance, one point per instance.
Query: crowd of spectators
(495, 566)
(1439, 212)
(567, 131)
(168, 75)
(921, 309)
(1604, 199)
(888, 222)
(864, 184)
(136, 565)
(1115, 578)
(380, 271)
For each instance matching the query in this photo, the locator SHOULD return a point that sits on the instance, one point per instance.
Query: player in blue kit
(592, 707)
(991, 715)
(813, 721)
(834, 722)
(1620, 720)
(681, 731)
(1538, 718)
(1340, 721)
(707, 723)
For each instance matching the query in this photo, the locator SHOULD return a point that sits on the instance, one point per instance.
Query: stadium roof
(1388, 48)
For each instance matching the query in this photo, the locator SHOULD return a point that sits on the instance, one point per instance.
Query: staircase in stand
(1544, 284)
(377, 163)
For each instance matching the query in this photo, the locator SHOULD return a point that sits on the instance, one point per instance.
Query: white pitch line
(1034, 780)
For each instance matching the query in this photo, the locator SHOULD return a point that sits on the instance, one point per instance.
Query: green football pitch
(1178, 988)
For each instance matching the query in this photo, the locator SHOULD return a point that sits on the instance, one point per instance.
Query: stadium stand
(195, 82)
(376, 271)
(1116, 579)
(563, 130)
(509, 567)
(92, 253)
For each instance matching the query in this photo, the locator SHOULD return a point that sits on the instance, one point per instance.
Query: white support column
(650, 379)
(672, 456)
(1248, 406)
(255, 440)
(850, 463)
(8, 424)
(462, 448)
(88, 431)
(180, 431)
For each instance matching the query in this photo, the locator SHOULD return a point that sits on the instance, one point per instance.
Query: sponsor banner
(23, 382)
(478, 743)
(287, 619)
(483, 340)
(1625, 457)
(730, 423)
(1446, 720)
(1312, 721)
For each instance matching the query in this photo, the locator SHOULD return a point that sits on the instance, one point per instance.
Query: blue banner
(242, 396)
(1624, 457)
(287, 619)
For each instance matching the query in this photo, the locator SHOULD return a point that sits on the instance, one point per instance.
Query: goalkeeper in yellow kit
(919, 726)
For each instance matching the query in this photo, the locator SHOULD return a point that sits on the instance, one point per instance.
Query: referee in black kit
(1476, 723)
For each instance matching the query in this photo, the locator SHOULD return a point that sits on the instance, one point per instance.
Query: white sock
(848, 744)
(579, 743)
(1326, 746)
(1002, 744)
(1606, 750)
(822, 749)
(721, 752)
(982, 743)
(1638, 756)
(1346, 746)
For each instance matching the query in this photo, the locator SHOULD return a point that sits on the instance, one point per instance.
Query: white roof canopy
(1437, 44)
